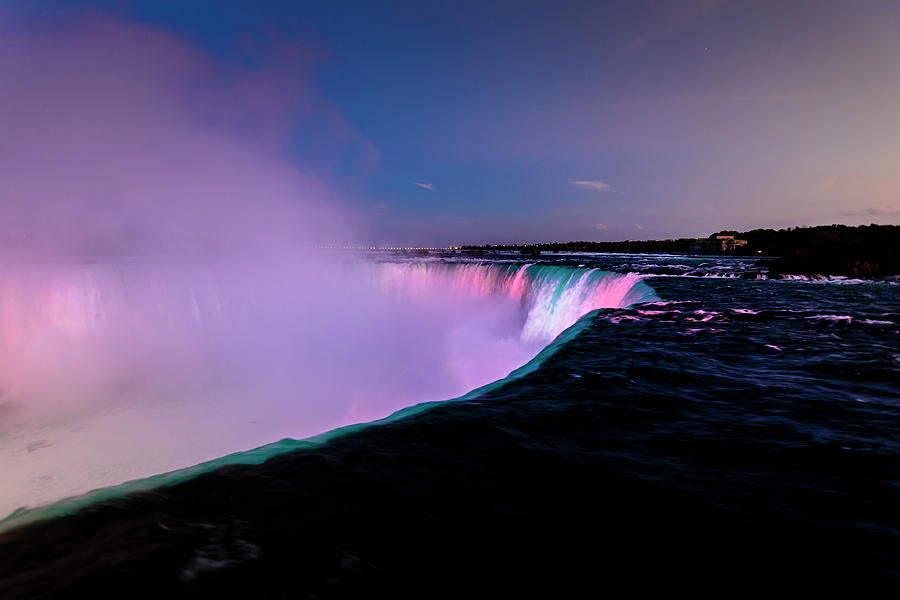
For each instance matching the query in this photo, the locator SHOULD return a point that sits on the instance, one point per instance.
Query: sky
(438, 123)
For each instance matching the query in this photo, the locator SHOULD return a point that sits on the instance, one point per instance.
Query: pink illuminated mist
(160, 300)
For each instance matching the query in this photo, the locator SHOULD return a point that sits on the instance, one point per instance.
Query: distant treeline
(864, 251)
(631, 246)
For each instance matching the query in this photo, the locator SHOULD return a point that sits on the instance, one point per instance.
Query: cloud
(600, 227)
(874, 211)
(640, 227)
(827, 183)
(427, 186)
(594, 185)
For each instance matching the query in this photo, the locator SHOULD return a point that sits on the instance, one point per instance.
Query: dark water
(740, 434)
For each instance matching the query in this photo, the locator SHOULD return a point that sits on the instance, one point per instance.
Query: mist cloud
(158, 306)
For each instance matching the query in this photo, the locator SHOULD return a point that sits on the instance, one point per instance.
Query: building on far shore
(718, 245)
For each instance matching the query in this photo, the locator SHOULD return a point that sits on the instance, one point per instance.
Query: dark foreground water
(739, 434)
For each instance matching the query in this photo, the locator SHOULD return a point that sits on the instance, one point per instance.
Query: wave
(162, 368)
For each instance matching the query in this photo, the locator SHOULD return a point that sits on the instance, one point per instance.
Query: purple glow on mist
(156, 305)
(119, 138)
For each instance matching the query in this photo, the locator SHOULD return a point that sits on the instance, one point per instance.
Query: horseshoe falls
(116, 370)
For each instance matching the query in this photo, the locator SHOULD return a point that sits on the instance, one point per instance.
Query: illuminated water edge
(555, 292)
(256, 456)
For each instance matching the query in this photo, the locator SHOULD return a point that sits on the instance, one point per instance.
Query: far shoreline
(865, 251)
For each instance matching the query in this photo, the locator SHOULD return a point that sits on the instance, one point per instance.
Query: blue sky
(554, 121)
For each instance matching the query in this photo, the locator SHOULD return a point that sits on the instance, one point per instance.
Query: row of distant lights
(384, 248)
